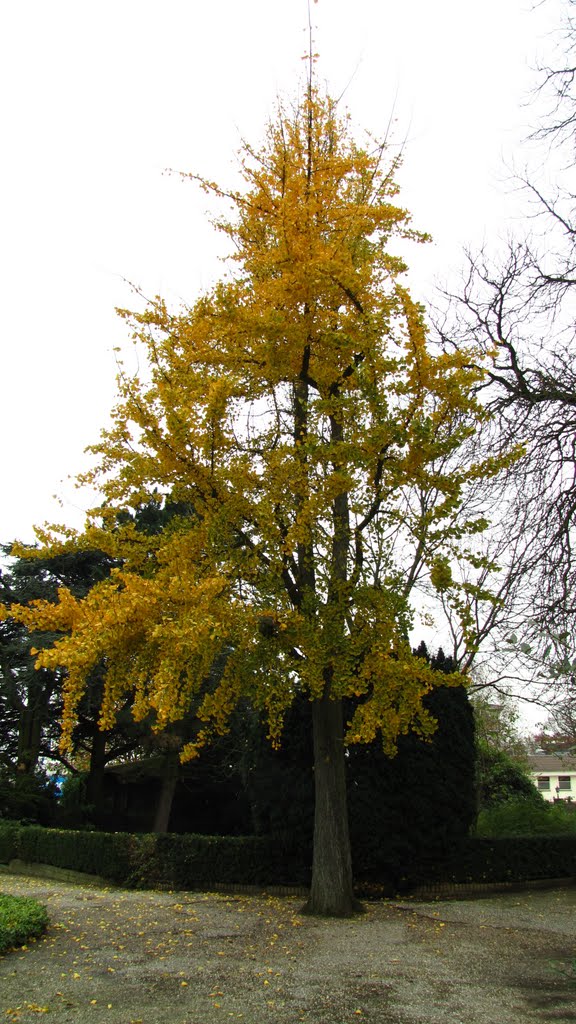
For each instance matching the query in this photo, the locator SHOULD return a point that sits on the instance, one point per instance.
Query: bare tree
(558, 733)
(520, 306)
(556, 86)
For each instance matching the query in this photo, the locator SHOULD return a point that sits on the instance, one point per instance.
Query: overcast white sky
(99, 98)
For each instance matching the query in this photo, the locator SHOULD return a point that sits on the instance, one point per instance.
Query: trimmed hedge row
(195, 861)
(175, 861)
(510, 859)
(97, 853)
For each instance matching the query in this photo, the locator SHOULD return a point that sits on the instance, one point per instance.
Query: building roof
(552, 764)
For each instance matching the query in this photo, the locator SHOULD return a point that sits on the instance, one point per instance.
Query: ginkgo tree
(320, 451)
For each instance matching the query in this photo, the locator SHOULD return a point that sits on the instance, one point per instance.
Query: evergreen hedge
(507, 859)
(164, 860)
(402, 810)
(199, 862)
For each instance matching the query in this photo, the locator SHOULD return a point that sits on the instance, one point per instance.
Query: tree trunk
(95, 780)
(33, 716)
(166, 796)
(331, 893)
(29, 734)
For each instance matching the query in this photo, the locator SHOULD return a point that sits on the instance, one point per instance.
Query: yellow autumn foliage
(315, 444)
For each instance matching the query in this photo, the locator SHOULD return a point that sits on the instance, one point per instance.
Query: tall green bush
(522, 817)
(500, 778)
(403, 810)
(26, 797)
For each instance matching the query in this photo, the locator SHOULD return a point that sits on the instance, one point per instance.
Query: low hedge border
(474, 890)
(157, 861)
(21, 919)
(505, 859)
(204, 862)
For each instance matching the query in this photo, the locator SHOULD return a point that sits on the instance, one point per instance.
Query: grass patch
(21, 919)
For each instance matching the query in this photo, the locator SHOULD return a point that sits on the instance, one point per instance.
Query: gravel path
(122, 957)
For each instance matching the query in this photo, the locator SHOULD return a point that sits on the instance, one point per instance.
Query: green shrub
(95, 853)
(21, 919)
(184, 861)
(190, 861)
(108, 854)
(505, 859)
(26, 797)
(500, 778)
(520, 817)
(9, 832)
(74, 810)
(200, 862)
(410, 809)
(402, 810)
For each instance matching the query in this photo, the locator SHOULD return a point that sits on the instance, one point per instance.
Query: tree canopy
(320, 451)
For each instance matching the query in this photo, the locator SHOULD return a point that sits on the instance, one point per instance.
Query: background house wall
(554, 775)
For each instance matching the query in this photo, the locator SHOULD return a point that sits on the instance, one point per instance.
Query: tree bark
(29, 736)
(166, 796)
(95, 780)
(33, 717)
(331, 893)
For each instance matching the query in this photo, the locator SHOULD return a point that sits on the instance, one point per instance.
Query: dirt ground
(122, 957)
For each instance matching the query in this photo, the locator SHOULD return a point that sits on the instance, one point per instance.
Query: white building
(554, 775)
